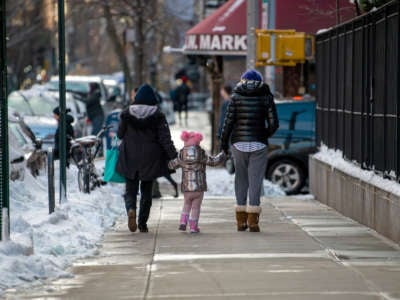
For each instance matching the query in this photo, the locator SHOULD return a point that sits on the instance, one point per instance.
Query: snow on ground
(336, 160)
(42, 246)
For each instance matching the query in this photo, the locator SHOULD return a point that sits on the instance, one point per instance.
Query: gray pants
(249, 175)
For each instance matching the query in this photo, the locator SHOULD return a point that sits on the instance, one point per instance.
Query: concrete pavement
(305, 250)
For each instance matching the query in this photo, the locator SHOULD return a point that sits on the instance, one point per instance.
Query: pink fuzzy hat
(191, 138)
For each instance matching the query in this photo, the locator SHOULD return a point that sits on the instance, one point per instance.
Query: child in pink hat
(193, 160)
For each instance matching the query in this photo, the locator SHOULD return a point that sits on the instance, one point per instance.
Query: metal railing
(358, 96)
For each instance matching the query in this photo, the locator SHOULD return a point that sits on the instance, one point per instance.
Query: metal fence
(358, 99)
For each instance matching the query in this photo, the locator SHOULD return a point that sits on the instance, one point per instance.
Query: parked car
(290, 146)
(24, 149)
(37, 112)
(80, 85)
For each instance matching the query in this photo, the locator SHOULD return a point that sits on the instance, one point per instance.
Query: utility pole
(4, 169)
(252, 25)
(61, 70)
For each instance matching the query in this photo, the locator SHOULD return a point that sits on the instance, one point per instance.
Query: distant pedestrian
(181, 95)
(69, 133)
(225, 93)
(93, 107)
(251, 107)
(193, 160)
(145, 149)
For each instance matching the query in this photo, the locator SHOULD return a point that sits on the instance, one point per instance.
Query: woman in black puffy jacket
(250, 120)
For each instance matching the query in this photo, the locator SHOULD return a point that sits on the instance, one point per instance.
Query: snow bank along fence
(358, 97)
(358, 112)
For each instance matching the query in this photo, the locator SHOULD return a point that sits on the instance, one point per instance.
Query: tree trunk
(216, 78)
(118, 47)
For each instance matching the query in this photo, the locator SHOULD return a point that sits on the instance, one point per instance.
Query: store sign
(224, 42)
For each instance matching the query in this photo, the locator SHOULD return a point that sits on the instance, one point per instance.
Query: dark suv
(290, 146)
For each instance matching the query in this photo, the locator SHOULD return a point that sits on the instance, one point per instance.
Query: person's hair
(93, 86)
(228, 89)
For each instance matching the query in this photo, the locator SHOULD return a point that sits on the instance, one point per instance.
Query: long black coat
(146, 145)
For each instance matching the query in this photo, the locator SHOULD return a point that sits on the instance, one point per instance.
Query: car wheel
(288, 174)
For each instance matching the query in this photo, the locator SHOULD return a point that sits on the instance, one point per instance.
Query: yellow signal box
(295, 47)
(291, 47)
(263, 47)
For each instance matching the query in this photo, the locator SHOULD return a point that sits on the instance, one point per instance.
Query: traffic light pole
(252, 25)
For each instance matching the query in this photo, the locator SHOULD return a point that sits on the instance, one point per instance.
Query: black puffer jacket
(252, 104)
(69, 134)
(146, 144)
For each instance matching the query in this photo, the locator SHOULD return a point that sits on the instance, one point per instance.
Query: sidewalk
(305, 250)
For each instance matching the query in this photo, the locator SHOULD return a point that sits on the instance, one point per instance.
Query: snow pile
(336, 160)
(43, 245)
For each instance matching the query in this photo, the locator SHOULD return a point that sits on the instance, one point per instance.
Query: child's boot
(183, 222)
(193, 226)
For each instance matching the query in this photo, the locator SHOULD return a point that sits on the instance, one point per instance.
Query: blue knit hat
(252, 74)
(145, 95)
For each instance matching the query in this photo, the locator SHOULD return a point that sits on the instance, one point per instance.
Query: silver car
(37, 112)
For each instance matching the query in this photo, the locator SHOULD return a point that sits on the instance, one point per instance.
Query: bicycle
(83, 151)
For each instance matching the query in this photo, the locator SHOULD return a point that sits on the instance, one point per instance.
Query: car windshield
(41, 106)
(75, 86)
(16, 134)
(18, 102)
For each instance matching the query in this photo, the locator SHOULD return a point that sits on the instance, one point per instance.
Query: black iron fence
(358, 97)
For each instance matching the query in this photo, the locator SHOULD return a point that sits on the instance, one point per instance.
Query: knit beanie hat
(56, 110)
(145, 95)
(252, 74)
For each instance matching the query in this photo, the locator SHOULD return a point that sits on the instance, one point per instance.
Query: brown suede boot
(132, 220)
(241, 218)
(253, 214)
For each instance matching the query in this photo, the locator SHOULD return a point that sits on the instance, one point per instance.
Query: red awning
(222, 33)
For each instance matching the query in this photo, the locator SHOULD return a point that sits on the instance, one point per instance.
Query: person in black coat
(144, 153)
(251, 108)
(69, 133)
(93, 107)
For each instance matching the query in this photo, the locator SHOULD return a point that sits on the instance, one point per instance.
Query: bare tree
(28, 39)
(150, 24)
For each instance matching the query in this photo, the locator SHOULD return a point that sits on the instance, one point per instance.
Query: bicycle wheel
(84, 180)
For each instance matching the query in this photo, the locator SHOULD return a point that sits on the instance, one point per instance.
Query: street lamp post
(61, 70)
(4, 171)
(252, 24)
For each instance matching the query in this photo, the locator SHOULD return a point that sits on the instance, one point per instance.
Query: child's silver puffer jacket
(193, 161)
